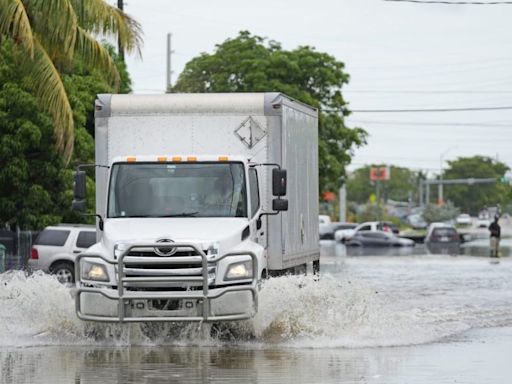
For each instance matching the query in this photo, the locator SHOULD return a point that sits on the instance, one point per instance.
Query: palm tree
(52, 33)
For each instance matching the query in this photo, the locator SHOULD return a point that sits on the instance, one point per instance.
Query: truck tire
(316, 267)
(64, 271)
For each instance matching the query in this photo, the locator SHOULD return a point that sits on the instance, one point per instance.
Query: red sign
(379, 173)
(329, 196)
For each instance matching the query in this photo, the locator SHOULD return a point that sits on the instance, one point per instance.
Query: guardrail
(122, 295)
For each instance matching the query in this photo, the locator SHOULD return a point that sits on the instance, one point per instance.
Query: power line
(467, 109)
(454, 2)
(424, 123)
(426, 91)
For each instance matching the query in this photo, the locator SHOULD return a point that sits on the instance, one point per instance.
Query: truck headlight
(94, 271)
(237, 271)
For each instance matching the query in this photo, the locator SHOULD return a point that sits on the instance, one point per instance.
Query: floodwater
(407, 317)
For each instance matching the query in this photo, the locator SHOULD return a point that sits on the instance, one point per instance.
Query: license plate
(445, 238)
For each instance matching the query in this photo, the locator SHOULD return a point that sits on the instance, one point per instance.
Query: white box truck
(198, 198)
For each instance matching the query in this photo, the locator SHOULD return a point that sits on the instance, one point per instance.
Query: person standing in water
(495, 230)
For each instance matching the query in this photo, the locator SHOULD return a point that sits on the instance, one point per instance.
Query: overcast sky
(399, 55)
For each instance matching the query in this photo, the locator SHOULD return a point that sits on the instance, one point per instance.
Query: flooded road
(392, 318)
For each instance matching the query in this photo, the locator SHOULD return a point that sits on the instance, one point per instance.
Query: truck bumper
(224, 304)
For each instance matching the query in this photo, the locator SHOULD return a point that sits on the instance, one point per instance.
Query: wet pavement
(379, 316)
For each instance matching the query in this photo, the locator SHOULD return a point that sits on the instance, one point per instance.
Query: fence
(18, 245)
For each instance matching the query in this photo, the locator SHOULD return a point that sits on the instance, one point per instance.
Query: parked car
(327, 231)
(378, 239)
(324, 219)
(443, 238)
(442, 233)
(483, 222)
(463, 219)
(385, 226)
(416, 221)
(56, 247)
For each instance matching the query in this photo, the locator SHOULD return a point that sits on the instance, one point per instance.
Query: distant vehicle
(378, 239)
(324, 219)
(56, 248)
(416, 221)
(442, 233)
(327, 231)
(385, 226)
(463, 219)
(483, 222)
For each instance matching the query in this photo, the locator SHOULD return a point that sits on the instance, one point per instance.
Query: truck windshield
(177, 190)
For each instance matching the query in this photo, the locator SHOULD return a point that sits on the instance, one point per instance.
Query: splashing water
(413, 304)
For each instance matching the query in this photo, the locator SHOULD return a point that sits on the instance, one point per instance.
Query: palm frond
(49, 88)
(55, 21)
(14, 22)
(96, 55)
(98, 16)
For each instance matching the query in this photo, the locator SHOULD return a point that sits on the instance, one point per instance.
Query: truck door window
(255, 191)
(178, 190)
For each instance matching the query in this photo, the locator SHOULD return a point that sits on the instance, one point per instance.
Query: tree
(52, 33)
(439, 213)
(35, 184)
(472, 198)
(402, 183)
(253, 64)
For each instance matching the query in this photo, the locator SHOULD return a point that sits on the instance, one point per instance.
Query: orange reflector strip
(176, 158)
(191, 158)
(162, 159)
(223, 158)
(131, 159)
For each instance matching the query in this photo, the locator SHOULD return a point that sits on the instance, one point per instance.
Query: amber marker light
(223, 158)
(191, 158)
(176, 158)
(162, 159)
(131, 159)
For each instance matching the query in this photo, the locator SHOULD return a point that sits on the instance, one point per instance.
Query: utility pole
(440, 187)
(120, 48)
(169, 63)
(343, 203)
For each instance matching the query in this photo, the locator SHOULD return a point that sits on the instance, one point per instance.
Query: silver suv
(56, 248)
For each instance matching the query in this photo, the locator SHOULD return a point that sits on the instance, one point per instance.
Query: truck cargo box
(263, 127)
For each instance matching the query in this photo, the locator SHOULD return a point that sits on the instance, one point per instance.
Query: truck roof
(268, 103)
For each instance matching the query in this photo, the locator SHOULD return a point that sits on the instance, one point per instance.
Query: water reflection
(192, 365)
(232, 364)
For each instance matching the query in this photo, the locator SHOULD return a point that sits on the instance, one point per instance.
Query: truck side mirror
(280, 205)
(79, 191)
(278, 182)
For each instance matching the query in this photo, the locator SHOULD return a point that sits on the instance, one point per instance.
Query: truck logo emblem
(165, 251)
(250, 132)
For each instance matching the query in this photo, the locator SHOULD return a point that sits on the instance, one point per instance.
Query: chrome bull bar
(123, 296)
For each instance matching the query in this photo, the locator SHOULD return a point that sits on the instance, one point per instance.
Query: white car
(324, 219)
(56, 248)
(346, 234)
(463, 219)
(483, 222)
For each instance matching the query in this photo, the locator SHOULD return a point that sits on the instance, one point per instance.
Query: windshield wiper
(182, 214)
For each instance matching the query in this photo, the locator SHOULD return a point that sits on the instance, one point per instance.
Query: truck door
(257, 231)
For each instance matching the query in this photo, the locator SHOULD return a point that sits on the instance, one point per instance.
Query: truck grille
(184, 263)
